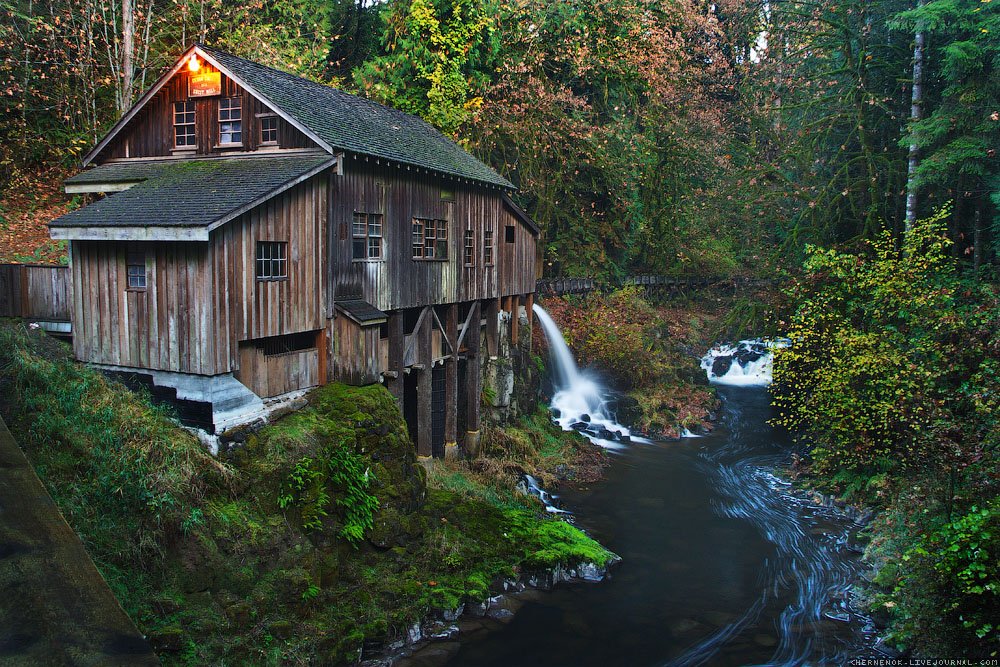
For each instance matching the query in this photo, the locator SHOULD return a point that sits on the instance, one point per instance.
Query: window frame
(135, 268)
(274, 266)
(489, 251)
(510, 234)
(436, 240)
(469, 248)
(188, 109)
(260, 122)
(238, 131)
(368, 222)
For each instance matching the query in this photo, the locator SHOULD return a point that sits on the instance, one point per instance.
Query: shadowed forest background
(846, 150)
(645, 135)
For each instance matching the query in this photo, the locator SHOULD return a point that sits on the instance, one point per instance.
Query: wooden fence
(36, 292)
(664, 285)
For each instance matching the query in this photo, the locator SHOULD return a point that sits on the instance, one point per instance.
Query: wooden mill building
(262, 233)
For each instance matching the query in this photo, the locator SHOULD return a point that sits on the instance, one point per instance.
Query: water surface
(721, 565)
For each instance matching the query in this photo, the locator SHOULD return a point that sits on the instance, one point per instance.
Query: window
(268, 129)
(135, 267)
(230, 121)
(469, 248)
(367, 236)
(509, 234)
(430, 239)
(272, 260)
(447, 195)
(488, 247)
(184, 124)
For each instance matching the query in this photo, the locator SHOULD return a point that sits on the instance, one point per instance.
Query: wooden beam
(515, 318)
(473, 383)
(422, 334)
(321, 349)
(493, 327)
(416, 328)
(444, 331)
(396, 341)
(465, 327)
(451, 385)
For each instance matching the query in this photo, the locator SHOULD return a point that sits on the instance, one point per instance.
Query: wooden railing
(656, 284)
(36, 292)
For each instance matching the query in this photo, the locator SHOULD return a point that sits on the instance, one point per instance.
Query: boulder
(721, 366)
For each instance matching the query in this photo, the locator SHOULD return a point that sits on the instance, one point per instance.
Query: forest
(845, 151)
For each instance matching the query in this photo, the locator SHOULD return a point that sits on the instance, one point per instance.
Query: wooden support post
(506, 304)
(451, 385)
(492, 327)
(515, 318)
(397, 340)
(474, 385)
(424, 355)
(322, 352)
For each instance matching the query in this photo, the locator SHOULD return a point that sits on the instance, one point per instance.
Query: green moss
(202, 552)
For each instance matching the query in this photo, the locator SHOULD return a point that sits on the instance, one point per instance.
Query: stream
(721, 565)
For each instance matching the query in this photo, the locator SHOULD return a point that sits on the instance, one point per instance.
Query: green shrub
(950, 589)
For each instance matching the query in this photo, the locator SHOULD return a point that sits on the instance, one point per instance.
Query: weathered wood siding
(171, 325)
(399, 281)
(151, 132)
(357, 357)
(272, 375)
(201, 299)
(249, 308)
(35, 291)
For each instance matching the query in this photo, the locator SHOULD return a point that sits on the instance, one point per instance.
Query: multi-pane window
(184, 124)
(430, 239)
(469, 248)
(488, 246)
(135, 268)
(268, 129)
(367, 236)
(230, 120)
(272, 260)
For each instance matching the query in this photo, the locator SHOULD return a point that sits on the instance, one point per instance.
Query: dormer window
(184, 136)
(230, 121)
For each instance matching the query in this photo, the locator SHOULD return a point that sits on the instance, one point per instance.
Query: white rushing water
(748, 363)
(579, 398)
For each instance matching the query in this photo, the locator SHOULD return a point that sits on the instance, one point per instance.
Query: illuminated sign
(205, 85)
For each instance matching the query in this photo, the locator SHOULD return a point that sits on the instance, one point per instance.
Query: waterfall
(578, 402)
(746, 364)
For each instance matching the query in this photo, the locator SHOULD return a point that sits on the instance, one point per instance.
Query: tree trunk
(956, 219)
(977, 237)
(128, 48)
(916, 106)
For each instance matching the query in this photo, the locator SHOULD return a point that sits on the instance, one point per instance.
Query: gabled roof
(336, 120)
(182, 200)
(521, 215)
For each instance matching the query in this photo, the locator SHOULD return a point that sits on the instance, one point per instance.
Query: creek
(722, 565)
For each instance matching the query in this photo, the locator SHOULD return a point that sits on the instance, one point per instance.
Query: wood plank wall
(168, 326)
(277, 374)
(150, 132)
(399, 281)
(201, 299)
(33, 291)
(357, 357)
(251, 309)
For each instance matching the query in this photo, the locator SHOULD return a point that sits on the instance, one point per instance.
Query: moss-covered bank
(316, 540)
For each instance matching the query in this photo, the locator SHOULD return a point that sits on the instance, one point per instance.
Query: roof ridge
(317, 84)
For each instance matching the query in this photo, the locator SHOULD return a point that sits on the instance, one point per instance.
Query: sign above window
(207, 84)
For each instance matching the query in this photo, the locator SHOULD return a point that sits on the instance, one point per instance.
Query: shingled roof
(338, 121)
(182, 199)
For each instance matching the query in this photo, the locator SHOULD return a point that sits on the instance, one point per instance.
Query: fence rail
(35, 291)
(656, 284)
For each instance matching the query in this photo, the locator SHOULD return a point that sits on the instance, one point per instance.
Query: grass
(210, 566)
